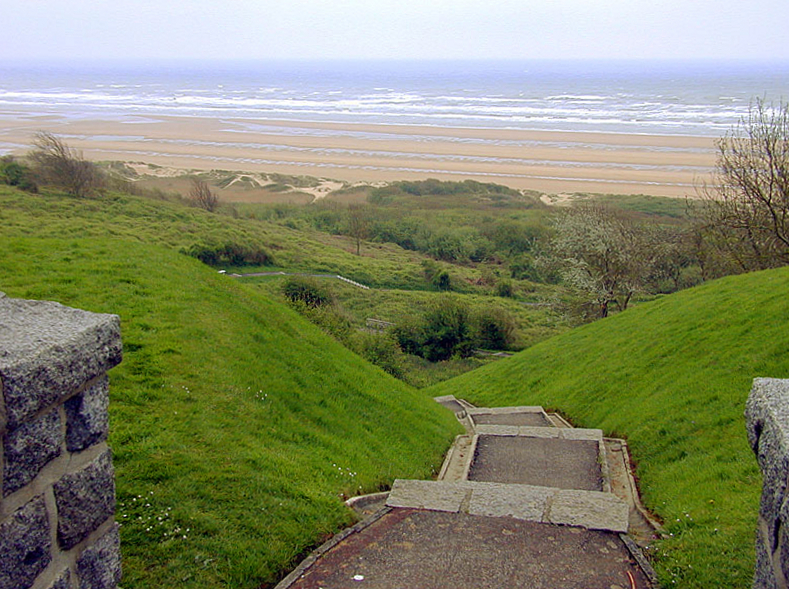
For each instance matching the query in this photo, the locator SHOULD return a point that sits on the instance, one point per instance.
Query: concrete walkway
(522, 500)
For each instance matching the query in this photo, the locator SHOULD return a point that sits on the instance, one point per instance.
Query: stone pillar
(767, 421)
(57, 503)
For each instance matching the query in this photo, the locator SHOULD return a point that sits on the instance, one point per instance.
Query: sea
(697, 98)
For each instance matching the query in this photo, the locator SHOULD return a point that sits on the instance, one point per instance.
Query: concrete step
(588, 509)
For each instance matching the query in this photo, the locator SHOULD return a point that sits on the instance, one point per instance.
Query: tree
(358, 225)
(201, 196)
(601, 254)
(57, 164)
(745, 210)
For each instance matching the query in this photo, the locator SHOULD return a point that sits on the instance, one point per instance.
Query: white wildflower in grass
(147, 521)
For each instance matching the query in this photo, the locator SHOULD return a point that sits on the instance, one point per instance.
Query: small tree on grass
(201, 195)
(57, 164)
(603, 256)
(358, 225)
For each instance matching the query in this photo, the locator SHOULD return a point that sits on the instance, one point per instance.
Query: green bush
(14, 173)
(230, 254)
(444, 331)
(382, 350)
(308, 291)
(494, 329)
(442, 281)
(504, 288)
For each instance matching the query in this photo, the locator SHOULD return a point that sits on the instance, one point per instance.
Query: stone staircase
(522, 499)
(516, 462)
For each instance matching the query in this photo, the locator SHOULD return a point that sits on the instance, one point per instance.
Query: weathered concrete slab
(589, 509)
(578, 433)
(596, 511)
(428, 549)
(450, 403)
(539, 432)
(518, 501)
(443, 496)
(525, 418)
(506, 410)
(544, 462)
(505, 430)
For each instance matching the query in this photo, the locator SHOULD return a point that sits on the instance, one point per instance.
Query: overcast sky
(405, 29)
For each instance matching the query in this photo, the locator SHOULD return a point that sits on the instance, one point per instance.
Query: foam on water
(629, 97)
(660, 98)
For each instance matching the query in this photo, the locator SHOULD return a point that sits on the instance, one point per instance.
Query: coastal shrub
(201, 195)
(230, 254)
(56, 164)
(433, 187)
(435, 276)
(16, 174)
(504, 288)
(444, 331)
(330, 317)
(308, 291)
(494, 329)
(512, 237)
(380, 349)
(442, 281)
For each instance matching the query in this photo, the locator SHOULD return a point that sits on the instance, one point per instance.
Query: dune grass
(672, 376)
(237, 427)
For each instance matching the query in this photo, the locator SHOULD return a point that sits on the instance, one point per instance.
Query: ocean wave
(649, 101)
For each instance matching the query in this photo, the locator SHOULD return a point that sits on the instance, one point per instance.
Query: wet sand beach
(551, 162)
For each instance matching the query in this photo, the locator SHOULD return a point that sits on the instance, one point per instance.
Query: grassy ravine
(672, 376)
(237, 427)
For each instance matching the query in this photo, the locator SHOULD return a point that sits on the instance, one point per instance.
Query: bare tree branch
(746, 212)
(57, 164)
(201, 196)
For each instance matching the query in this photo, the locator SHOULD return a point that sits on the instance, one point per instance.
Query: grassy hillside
(180, 227)
(672, 377)
(237, 427)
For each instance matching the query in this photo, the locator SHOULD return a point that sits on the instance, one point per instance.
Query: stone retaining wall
(57, 506)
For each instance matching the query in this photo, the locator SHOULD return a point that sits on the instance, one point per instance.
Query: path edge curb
(305, 564)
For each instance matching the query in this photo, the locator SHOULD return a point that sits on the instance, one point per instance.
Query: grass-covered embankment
(672, 376)
(181, 227)
(237, 427)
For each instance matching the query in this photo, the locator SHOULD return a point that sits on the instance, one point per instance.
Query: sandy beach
(546, 161)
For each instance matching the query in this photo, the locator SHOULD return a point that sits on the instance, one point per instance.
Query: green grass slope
(179, 227)
(672, 376)
(237, 427)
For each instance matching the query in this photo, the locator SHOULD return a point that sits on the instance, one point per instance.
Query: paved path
(521, 501)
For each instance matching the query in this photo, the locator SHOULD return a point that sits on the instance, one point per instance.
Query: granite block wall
(767, 422)
(57, 486)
